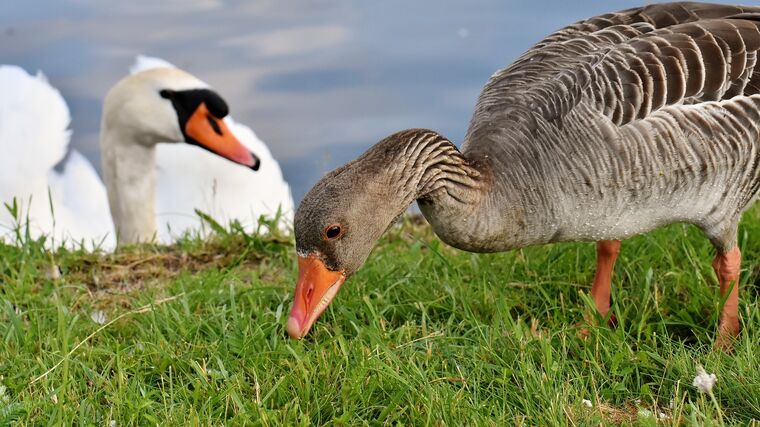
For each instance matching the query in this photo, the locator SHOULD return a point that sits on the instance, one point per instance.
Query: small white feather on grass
(704, 382)
(99, 317)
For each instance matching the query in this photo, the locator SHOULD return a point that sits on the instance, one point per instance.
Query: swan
(70, 203)
(188, 179)
(606, 129)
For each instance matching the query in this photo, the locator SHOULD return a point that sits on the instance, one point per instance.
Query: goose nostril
(309, 293)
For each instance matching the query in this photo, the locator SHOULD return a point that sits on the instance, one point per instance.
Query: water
(318, 81)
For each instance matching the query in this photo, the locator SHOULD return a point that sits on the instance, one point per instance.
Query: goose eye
(333, 232)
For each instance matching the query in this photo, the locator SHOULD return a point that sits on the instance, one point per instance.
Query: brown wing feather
(629, 64)
(702, 61)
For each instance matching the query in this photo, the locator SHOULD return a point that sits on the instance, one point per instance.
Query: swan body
(608, 128)
(69, 203)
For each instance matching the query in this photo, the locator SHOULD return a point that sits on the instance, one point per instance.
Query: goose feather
(608, 128)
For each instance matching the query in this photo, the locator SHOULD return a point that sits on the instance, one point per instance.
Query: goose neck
(452, 191)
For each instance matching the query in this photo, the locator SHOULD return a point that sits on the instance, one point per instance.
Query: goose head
(169, 105)
(334, 236)
(337, 224)
(345, 213)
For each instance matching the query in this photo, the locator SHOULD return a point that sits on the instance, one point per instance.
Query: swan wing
(144, 62)
(61, 198)
(81, 204)
(34, 136)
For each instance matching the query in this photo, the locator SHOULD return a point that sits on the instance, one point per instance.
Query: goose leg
(606, 254)
(726, 267)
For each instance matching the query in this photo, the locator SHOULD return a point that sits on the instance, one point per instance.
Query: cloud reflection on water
(319, 81)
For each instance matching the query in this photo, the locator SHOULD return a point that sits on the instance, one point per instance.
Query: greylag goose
(606, 129)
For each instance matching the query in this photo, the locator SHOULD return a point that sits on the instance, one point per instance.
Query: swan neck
(129, 175)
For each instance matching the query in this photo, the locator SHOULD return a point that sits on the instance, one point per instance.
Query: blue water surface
(319, 81)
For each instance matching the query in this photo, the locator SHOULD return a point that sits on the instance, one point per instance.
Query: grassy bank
(424, 334)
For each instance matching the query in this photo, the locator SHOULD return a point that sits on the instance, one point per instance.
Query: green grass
(422, 335)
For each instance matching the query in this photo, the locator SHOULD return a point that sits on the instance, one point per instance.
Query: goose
(147, 198)
(608, 128)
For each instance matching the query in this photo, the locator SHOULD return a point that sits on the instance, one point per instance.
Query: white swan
(189, 179)
(34, 137)
(139, 112)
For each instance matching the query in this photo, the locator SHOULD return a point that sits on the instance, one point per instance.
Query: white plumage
(69, 203)
(189, 178)
(34, 138)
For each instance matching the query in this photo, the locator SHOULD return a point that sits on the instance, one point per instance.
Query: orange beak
(316, 287)
(212, 134)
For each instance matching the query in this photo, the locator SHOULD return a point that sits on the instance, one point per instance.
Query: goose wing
(627, 65)
(651, 16)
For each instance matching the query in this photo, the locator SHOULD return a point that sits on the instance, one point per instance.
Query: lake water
(318, 81)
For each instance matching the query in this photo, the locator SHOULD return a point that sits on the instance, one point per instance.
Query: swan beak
(212, 133)
(316, 287)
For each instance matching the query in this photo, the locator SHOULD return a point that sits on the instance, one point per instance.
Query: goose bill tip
(315, 289)
(293, 327)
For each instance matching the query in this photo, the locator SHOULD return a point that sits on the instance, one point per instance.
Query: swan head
(170, 105)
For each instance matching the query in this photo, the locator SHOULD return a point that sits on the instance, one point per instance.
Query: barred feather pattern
(608, 128)
(620, 124)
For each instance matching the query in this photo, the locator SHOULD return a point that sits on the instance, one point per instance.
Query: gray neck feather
(428, 166)
(454, 192)
(479, 200)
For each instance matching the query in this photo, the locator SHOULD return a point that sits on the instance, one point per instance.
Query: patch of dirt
(627, 414)
(132, 269)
